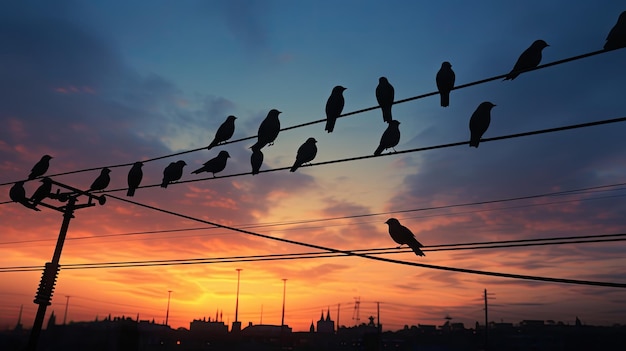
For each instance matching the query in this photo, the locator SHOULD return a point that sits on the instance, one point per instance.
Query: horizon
(535, 215)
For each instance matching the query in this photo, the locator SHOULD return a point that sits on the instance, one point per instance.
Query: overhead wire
(579, 239)
(550, 64)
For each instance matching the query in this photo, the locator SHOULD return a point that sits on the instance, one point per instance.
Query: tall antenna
(357, 309)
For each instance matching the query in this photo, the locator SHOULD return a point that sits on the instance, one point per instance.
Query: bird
(42, 192)
(384, 96)
(214, 165)
(102, 181)
(403, 236)
(530, 58)
(224, 132)
(173, 172)
(306, 153)
(40, 167)
(445, 82)
(268, 130)
(479, 122)
(334, 106)
(18, 194)
(134, 178)
(256, 160)
(617, 36)
(390, 137)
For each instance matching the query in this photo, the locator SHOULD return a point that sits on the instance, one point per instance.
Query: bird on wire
(172, 173)
(224, 132)
(617, 36)
(479, 122)
(134, 178)
(445, 82)
(42, 192)
(214, 165)
(390, 137)
(102, 181)
(40, 168)
(306, 153)
(334, 106)
(529, 59)
(403, 236)
(384, 95)
(18, 194)
(256, 160)
(268, 130)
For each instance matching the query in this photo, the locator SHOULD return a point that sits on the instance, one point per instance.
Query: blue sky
(110, 82)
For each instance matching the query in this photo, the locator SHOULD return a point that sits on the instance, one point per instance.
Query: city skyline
(108, 84)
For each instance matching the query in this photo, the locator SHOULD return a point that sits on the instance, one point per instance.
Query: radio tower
(357, 307)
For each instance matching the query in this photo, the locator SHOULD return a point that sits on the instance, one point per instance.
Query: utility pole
(486, 321)
(237, 301)
(282, 323)
(43, 297)
(67, 302)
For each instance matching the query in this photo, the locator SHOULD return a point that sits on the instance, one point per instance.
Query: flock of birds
(270, 127)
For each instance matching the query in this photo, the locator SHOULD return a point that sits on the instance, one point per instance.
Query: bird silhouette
(134, 178)
(479, 122)
(403, 236)
(390, 137)
(334, 106)
(445, 82)
(18, 194)
(42, 192)
(384, 96)
(102, 181)
(40, 168)
(173, 172)
(224, 132)
(256, 160)
(529, 59)
(306, 153)
(268, 130)
(214, 165)
(617, 36)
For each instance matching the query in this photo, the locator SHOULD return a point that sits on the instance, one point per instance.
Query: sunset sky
(108, 83)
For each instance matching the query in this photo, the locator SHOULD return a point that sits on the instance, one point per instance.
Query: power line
(554, 63)
(582, 239)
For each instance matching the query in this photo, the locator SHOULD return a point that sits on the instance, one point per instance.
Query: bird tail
(130, 192)
(294, 167)
(257, 146)
(474, 142)
(416, 248)
(387, 113)
(512, 75)
(330, 125)
(164, 183)
(211, 145)
(445, 99)
(379, 150)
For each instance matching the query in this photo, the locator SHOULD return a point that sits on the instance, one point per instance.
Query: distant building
(325, 325)
(208, 327)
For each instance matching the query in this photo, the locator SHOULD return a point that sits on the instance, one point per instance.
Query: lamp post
(167, 312)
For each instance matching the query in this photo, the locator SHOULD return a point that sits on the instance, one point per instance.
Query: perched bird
(102, 181)
(617, 36)
(134, 178)
(479, 122)
(268, 130)
(530, 58)
(256, 160)
(224, 132)
(214, 165)
(173, 172)
(40, 167)
(306, 153)
(334, 106)
(18, 194)
(445, 82)
(384, 96)
(403, 236)
(42, 192)
(390, 137)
